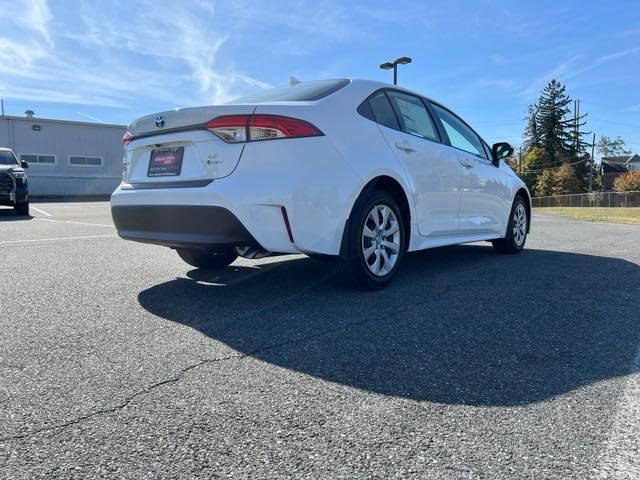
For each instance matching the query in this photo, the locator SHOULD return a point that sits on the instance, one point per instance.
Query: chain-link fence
(595, 199)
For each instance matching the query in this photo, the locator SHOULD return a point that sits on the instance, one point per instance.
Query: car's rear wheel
(516, 236)
(205, 259)
(22, 209)
(376, 240)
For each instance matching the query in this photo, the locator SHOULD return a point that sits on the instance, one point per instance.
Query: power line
(553, 168)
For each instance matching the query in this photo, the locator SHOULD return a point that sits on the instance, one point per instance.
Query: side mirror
(500, 151)
(24, 164)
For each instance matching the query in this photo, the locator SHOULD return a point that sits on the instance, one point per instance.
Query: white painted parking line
(621, 458)
(40, 211)
(76, 223)
(35, 240)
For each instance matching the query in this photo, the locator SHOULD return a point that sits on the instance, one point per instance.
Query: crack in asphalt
(176, 378)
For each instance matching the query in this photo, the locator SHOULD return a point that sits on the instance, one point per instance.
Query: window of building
(85, 161)
(38, 159)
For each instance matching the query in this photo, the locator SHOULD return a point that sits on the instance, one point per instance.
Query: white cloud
(605, 59)
(166, 53)
(571, 69)
(38, 17)
(15, 57)
(28, 15)
(534, 87)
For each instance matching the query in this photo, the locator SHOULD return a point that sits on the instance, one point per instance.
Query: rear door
(174, 148)
(411, 133)
(484, 205)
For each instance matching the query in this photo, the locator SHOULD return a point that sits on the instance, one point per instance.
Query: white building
(66, 158)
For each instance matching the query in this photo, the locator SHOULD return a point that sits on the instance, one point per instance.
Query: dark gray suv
(14, 186)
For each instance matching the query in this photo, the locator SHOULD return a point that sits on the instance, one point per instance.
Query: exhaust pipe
(252, 253)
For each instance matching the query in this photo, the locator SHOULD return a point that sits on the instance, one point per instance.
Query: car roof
(376, 85)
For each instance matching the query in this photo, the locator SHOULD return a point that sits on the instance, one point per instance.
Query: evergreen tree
(531, 135)
(554, 124)
(557, 130)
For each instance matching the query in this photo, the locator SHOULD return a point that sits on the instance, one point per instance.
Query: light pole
(394, 65)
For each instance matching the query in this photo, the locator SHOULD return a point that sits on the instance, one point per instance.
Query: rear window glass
(300, 92)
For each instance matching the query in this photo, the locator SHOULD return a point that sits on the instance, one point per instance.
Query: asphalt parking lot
(118, 360)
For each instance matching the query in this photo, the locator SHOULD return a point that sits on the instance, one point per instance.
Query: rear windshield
(7, 158)
(300, 92)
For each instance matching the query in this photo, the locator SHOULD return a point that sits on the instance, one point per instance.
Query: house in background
(613, 167)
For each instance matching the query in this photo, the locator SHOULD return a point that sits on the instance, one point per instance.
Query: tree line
(556, 156)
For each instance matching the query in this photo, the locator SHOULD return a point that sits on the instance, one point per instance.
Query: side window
(460, 135)
(413, 115)
(382, 111)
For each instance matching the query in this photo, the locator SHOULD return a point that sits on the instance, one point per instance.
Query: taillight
(248, 128)
(230, 128)
(127, 139)
(275, 126)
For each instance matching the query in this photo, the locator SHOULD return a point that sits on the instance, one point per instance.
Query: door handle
(405, 146)
(467, 163)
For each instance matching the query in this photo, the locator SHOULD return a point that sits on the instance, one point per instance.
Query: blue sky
(115, 60)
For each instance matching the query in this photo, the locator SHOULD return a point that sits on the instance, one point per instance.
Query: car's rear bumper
(292, 196)
(181, 226)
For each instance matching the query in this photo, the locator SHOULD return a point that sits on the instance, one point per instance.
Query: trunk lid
(181, 118)
(204, 156)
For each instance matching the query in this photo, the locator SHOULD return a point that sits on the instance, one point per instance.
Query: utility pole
(593, 148)
(520, 161)
(575, 126)
(2, 105)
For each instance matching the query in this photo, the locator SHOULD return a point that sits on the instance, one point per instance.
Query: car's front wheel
(376, 240)
(22, 209)
(516, 236)
(205, 259)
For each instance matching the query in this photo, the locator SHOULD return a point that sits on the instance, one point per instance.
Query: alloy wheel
(519, 225)
(381, 240)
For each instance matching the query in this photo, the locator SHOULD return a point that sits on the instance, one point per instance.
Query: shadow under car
(460, 325)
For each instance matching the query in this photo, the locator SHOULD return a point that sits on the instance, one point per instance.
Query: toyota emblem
(160, 122)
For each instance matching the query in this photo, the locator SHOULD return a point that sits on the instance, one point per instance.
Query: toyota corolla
(353, 169)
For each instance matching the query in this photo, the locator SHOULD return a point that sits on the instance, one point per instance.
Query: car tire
(375, 248)
(22, 209)
(516, 236)
(207, 260)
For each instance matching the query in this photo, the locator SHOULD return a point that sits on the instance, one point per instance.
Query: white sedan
(358, 170)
